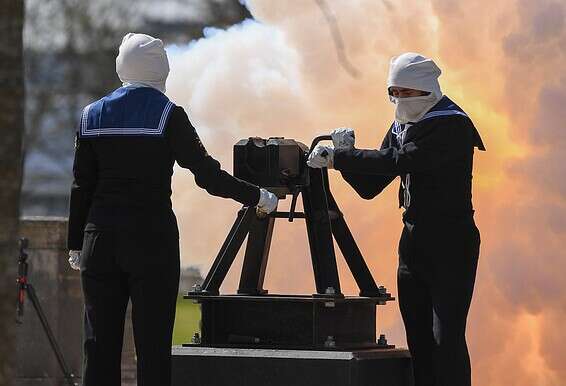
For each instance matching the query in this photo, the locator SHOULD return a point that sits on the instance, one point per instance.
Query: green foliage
(187, 319)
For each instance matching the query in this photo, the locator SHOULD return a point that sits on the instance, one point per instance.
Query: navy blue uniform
(122, 220)
(439, 245)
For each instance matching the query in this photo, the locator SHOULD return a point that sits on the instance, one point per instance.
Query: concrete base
(200, 366)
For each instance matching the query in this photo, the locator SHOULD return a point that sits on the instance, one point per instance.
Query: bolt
(197, 288)
(330, 291)
(382, 341)
(329, 341)
(196, 338)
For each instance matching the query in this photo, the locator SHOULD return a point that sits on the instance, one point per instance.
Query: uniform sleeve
(449, 139)
(189, 152)
(369, 185)
(82, 190)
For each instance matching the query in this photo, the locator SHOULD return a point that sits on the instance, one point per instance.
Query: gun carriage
(326, 320)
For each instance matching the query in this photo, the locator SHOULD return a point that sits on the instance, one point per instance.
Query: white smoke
(502, 61)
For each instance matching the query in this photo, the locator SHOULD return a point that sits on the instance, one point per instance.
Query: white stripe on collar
(125, 130)
(442, 113)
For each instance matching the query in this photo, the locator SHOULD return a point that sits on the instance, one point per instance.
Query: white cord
(406, 193)
(400, 135)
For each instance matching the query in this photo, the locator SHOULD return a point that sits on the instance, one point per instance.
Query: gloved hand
(343, 138)
(267, 202)
(321, 157)
(75, 259)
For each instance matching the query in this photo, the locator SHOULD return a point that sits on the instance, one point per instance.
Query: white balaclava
(417, 72)
(142, 59)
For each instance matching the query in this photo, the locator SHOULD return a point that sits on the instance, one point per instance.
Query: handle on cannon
(318, 139)
(295, 192)
(315, 141)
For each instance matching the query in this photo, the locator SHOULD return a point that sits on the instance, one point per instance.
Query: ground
(187, 319)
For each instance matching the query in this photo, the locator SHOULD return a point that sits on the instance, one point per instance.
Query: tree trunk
(11, 132)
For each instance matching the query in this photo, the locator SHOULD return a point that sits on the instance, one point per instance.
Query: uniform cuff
(339, 156)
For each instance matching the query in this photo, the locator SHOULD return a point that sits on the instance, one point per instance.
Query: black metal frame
(327, 320)
(324, 221)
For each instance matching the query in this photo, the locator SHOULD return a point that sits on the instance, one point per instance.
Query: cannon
(253, 323)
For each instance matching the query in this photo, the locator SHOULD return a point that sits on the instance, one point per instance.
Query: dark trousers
(116, 266)
(437, 269)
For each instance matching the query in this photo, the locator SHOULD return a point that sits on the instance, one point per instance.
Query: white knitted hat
(142, 59)
(414, 71)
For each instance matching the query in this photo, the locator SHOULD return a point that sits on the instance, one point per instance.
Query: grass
(187, 319)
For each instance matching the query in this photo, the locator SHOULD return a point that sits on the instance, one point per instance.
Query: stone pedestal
(202, 366)
(58, 288)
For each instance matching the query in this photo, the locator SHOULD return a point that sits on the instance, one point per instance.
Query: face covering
(412, 109)
(417, 72)
(142, 60)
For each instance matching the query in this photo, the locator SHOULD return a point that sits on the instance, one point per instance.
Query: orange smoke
(502, 62)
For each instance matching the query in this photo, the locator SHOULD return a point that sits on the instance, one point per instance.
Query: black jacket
(126, 181)
(437, 153)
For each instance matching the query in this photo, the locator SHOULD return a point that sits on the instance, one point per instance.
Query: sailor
(123, 234)
(430, 146)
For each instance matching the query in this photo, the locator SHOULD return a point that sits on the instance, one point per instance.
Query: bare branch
(337, 37)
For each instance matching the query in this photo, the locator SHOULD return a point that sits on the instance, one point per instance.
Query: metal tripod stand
(25, 287)
(252, 318)
(324, 220)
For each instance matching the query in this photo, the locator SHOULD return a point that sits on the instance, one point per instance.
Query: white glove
(321, 157)
(267, 202)
(75, 259)
(343, 138)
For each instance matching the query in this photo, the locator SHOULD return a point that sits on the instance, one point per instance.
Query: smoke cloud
(280, 75)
